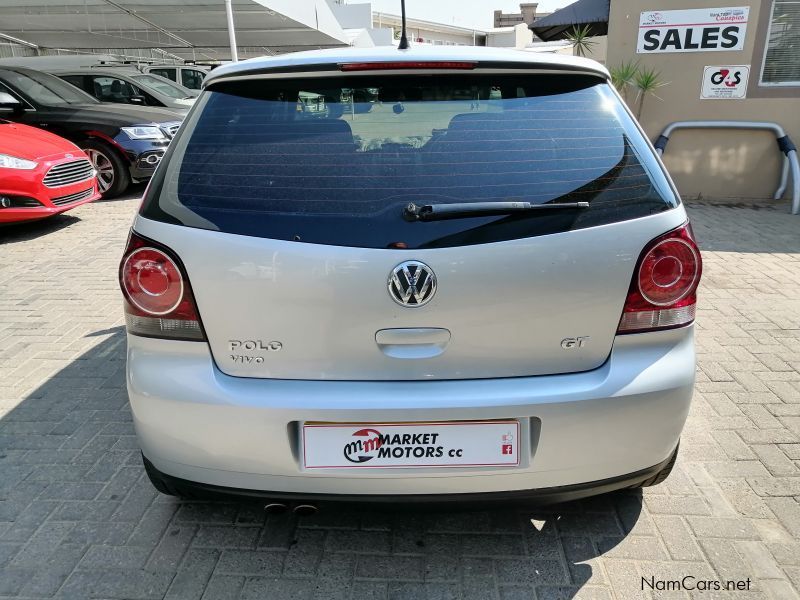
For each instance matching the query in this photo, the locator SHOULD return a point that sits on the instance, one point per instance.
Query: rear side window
(113, 89)
(335, 160)
(168, 73)
(76, 80)
(192, 78)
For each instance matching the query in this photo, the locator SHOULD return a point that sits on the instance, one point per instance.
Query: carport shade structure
(189, 29)
(583, 13)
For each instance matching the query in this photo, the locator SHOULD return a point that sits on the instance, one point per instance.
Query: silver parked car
(129, 86)
(478, 284)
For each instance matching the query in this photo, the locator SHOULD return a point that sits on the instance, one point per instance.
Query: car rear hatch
(286, 199)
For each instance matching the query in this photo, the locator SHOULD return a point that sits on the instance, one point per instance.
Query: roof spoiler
(475, 65)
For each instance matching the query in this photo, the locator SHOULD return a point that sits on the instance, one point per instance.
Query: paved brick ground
(78, 519)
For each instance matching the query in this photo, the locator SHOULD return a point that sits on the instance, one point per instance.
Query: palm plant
(579, 37)
(623, 76)
(646, 81)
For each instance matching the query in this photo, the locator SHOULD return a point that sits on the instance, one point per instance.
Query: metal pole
(795, 167)
(784, 180)
(784, 143)
(231, 31)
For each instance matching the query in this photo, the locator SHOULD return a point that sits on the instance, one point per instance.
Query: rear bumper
(552, 495)
(199, 425)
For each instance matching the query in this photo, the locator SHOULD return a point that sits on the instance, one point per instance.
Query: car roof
(167, 66)
(99, 70)
(36, 72)
(17, 69)
(46, 61)
(334, 56)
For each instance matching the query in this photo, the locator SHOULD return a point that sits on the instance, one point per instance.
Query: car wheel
(113, 177)
(663, 473)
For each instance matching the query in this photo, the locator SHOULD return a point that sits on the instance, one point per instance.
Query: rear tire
(113, 176)
(663, 473)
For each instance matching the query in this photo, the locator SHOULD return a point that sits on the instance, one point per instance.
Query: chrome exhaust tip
(275, 508)
(305, 510)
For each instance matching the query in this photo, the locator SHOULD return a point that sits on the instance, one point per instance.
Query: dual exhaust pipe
(301, 510)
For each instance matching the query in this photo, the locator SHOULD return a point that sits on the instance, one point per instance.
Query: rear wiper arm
(462, 210)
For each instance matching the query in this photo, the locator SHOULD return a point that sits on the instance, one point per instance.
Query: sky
(464, 13)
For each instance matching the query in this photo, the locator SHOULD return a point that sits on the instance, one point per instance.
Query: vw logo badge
(412, 284)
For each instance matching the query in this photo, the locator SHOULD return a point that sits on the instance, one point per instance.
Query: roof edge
(327, 60)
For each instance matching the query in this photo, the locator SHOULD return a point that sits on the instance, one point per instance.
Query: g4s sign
(727, 82)
(726, 77)
(693, 30)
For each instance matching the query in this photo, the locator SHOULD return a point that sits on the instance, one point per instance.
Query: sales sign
(693, 30)
(725, 82)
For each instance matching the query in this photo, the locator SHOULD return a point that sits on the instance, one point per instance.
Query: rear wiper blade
(462, 210)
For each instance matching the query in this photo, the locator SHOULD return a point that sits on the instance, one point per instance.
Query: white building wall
(431, 33)
(352, 16)
(518, 36)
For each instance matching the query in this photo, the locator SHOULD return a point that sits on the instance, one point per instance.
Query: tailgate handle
(412, 342)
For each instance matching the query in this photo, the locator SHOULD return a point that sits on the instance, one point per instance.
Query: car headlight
(12, 162)
(144, 133)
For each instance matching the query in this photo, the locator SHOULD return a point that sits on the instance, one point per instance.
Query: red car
(41, 174)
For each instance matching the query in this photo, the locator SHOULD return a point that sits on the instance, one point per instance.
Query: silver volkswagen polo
(410, 275)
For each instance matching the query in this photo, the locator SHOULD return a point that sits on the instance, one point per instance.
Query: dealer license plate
(392, 445)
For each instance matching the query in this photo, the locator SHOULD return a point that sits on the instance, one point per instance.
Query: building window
(782, 58)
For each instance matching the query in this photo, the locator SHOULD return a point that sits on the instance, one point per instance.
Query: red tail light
(663, 293)
(158, 297)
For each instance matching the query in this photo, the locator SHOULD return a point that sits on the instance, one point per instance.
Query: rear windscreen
(334, 160)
